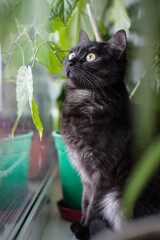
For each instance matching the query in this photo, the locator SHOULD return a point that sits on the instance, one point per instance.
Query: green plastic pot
(70, 180)
(14, 165)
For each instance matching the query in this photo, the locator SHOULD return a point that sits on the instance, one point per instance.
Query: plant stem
(137, 85)
(16, 21)
(18, 45)
(143, 75)
(54, 52)
(135, 89)
(11, 51)
(34, 60)
(93, 23)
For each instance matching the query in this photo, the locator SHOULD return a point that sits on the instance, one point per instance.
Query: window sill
(31, 220)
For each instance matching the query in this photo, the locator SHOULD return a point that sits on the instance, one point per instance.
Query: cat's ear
(118, 42)
(83, 36)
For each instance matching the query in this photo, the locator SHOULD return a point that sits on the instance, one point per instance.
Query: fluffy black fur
(95, 126)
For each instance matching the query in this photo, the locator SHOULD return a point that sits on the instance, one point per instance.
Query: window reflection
(25, 161)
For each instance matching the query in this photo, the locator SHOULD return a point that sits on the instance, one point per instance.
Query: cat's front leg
(95, 208)
(78, 228)
(90, 216)
(85, 200)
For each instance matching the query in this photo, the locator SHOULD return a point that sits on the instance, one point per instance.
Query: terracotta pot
(39, 157)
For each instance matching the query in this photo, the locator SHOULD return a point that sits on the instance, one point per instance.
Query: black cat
(95, 126)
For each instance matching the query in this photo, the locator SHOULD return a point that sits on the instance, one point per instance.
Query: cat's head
(93, 65)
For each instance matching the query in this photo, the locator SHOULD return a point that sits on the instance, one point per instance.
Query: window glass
(26, 161)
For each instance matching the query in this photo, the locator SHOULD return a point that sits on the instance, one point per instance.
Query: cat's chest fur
(80, 113)
(80, 123)
(84, 103)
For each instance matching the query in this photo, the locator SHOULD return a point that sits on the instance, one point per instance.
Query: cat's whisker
(92, 82)
(83, 74)
(81, 78)
(91, 87)
(108, 87)
(99, 86)
(95, 84)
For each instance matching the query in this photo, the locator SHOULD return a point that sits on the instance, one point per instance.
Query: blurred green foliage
(147, 97)
(142, 173)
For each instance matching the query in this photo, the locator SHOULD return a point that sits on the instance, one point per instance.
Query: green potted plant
(70, 180)
(14, 165)
(14, 169)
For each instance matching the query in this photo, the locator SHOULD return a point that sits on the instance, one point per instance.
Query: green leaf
(146, 166)
(53, 25)
(46, 56)
(78, 20)
(119, 16)
(62, 8)
(36, 118)
(24, 88)
(52, 13)
(24, 94)
(24, 91)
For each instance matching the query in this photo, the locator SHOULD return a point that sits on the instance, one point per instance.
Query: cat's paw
(80, 232)
(75, 226)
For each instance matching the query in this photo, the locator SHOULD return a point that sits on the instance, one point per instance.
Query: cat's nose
(74, 62)
(71, 63)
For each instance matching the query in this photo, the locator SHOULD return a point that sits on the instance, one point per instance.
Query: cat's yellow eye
(90, 57)
(71, 55)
